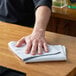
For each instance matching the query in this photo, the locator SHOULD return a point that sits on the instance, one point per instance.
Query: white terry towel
(56, 53)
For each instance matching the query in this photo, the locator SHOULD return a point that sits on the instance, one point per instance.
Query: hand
(35, 43)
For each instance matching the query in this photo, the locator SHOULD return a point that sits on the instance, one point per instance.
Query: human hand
(35, 43)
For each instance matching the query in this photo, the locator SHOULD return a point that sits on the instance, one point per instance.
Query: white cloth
(56, 53)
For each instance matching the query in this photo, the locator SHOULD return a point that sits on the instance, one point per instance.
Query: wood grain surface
(11, 32)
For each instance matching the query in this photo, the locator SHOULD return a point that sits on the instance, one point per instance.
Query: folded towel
(56, 53)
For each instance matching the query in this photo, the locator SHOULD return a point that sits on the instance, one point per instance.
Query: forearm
(36, 42)
(42, 14)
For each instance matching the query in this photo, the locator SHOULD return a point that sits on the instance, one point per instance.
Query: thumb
(20, 42)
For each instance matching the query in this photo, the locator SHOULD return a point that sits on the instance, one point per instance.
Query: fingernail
(46, 51)
(27, 52)
(40, 53)
(32, 53)
(16, 44)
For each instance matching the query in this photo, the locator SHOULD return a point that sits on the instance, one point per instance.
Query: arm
(36, 41)
(42, 18)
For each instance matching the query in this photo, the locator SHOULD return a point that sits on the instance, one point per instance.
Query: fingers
(40, 49)
(45, 47)
(34, 47)
(28, 47)
(20, 42)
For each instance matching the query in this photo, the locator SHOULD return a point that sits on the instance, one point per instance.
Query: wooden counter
(65, 13)
(63, 21)
(9, 32)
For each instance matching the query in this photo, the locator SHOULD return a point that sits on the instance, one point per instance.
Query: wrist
(39, 31)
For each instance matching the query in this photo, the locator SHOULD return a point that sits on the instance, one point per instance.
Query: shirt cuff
(47, 3)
